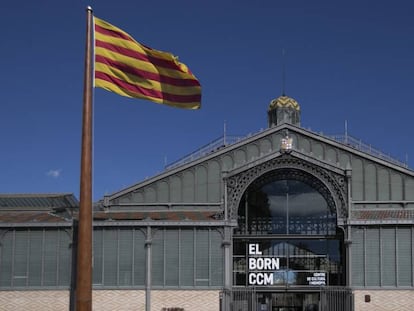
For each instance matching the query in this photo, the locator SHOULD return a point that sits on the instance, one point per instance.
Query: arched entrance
(287, 244)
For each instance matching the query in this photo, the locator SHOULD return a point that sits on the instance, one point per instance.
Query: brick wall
(384, 300)
(190, 300)
(112, 300)
(34, 300)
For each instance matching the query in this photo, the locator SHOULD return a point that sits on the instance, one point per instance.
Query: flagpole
(84, 247)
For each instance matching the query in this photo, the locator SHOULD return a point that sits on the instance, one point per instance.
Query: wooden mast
(84, 247)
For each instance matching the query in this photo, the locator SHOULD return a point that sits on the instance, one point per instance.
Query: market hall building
(283, 220)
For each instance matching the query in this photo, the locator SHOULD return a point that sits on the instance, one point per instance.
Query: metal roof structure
(151, 216)
(37, 209)
(36, 201)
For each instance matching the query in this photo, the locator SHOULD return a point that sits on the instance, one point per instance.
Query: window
(287, 204)
(287, 233)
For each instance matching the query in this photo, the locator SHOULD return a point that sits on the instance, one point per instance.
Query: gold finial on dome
(283, 109)
(284, 102)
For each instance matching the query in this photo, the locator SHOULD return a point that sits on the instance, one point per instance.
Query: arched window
(287, 233)
(287, 202)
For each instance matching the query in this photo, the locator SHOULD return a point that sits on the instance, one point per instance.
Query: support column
(348, 238)
(228, 264)
(228, 270)
(227, 258)
(148, 243)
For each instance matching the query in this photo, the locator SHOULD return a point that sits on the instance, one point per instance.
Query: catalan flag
(128, 68)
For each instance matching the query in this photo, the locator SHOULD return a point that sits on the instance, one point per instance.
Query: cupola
(283, 109)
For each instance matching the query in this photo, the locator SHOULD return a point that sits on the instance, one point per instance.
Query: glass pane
(239, 278)
(239, 248)
(65, 256)
(404, 251)
(372, 257)
(306, 263)
(202, 260)
(388, 256)
(357, 260)
(97, 256)
(125, 257)
(50, 258)
(239, 264)
(286, 206)
(217, 258)
(140, 262)
(187, 257)
(20, 258)
(157, 249)
(171, 257)
(35, 257)
(110, 257)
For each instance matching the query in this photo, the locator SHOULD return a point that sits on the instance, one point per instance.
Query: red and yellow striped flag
(128, 68)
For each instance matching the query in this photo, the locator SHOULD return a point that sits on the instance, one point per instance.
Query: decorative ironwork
(331, 185)
(277, 225)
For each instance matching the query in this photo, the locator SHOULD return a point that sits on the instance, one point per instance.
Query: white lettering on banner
(263, 270)
(318, 278)
(266, 263)
(257, 263)
(261, 278)
(254, 249)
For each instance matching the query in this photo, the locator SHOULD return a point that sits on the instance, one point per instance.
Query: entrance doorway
(288, 301)
(329, 298)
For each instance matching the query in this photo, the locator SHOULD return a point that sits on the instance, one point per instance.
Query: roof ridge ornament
(286, 143)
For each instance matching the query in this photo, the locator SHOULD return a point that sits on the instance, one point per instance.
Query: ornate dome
(283, 109)
(284, 102)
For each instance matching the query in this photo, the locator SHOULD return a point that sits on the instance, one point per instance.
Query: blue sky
(345, 60)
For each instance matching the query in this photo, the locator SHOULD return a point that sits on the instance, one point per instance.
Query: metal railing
(336, 299)
(359, 145)
(331, 298)
(214, 145)
(225, 140)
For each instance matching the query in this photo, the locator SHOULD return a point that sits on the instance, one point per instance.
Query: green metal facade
(181, 258)
(382, 256)
(35, 258)
(189, 253)
(373, 179)
(380, 208)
